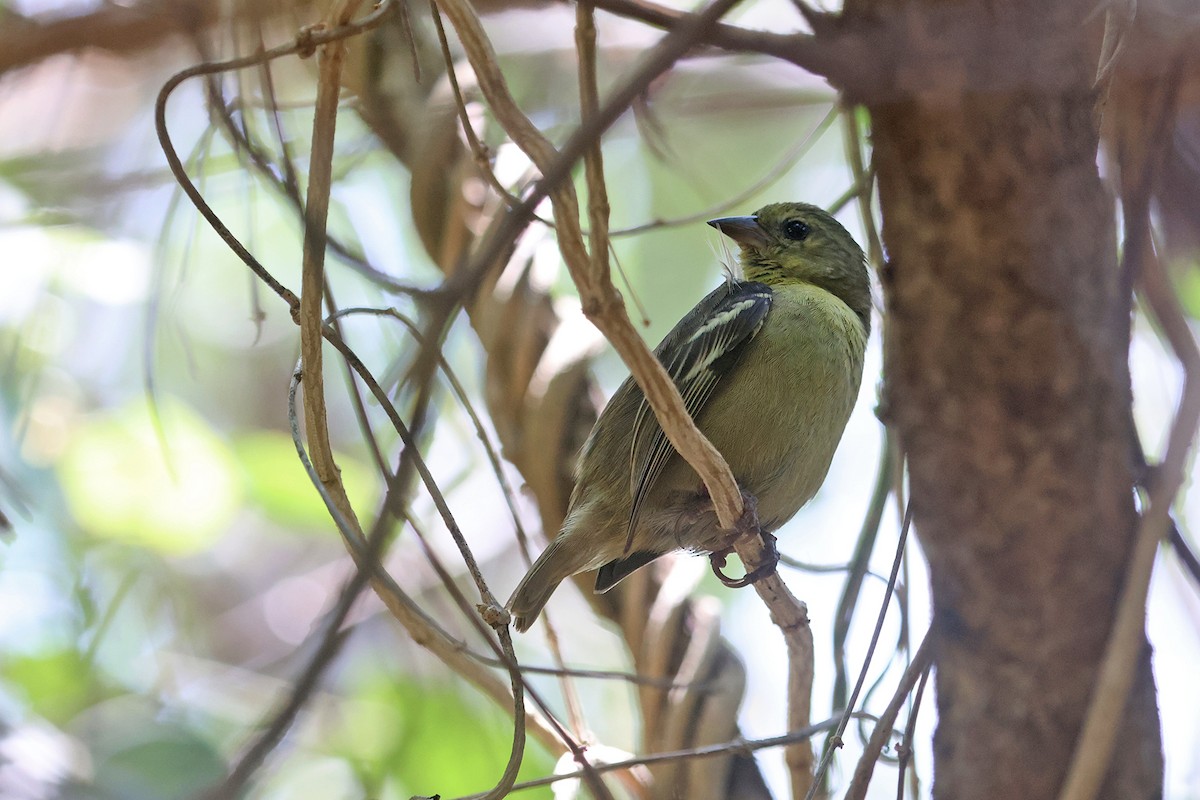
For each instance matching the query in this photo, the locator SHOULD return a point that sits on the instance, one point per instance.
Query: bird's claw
(767, 568)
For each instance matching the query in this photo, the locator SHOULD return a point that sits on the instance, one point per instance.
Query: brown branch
(859, 567)
(478, 149)
(304, 42)
(111, 27)
(541, 427)
(601, 302)
(331, 60)
(906, 745)
(423, 629)
(887, 720)
(791, 617)
(748, 746)
(835, 741)
(312, 290)
(784, 46)
(593, 158)
(1091, 761)
(1092, 750)
(772, 175)
(307, 315)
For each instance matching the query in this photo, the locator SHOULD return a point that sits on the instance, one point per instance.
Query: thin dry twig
(478, 150)
(601, 302)
(1185, 554)
(460, 393)
(593, 157)
(788, 47)
(775, 173)
(303, 43)
(791, 617)
(388, 591)
(707, 751)
(330, 641)
(423, 629)
(369, 565)
(859, 567)
(910, 728)
(921, 661)
(312, 283)
(835, 741)
(1091, 760)
(1092, 750)
(866, 186)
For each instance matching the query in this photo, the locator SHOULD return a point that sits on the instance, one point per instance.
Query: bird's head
(799, 243)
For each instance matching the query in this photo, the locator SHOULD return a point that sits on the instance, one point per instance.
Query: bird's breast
(779, 417)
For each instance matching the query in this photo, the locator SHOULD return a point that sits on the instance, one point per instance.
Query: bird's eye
(796, 230)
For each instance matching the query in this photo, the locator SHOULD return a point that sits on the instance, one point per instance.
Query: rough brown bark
(1008, 383)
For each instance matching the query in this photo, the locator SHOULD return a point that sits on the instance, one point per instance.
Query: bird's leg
(745, 526)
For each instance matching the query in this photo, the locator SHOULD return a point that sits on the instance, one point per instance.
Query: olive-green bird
(769, 366)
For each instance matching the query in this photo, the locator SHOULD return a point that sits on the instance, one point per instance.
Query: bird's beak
(744, 230)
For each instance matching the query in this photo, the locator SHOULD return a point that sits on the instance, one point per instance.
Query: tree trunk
(1008, 382)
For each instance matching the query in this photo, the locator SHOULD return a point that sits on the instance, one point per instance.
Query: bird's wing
(697, 353)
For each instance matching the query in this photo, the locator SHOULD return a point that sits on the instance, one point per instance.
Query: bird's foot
(767, 568)
(746, 525)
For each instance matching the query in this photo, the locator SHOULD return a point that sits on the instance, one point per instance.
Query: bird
(769, 366)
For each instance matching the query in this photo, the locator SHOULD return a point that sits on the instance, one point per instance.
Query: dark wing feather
(697, 353)
(616, 571)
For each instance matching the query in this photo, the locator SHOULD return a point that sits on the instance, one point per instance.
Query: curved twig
(921, 661)
(835, 741)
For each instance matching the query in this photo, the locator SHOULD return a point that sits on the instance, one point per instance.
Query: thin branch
(790, 615)
(460, 393)
(312, 292)
(510, 499)
(776, 172)
(423, 629)
(325, 476)
(601, 302)
(1091, 759)
(1093, 748)
(910, 728)
(746, 746)
(288, 186)
(388, 591)
(921, 661)
(517, 680)
(865, 184)
(724, 36)
(853, 192)
(330, 643)
(601, 674)
(478, 150)
(116, 28)
(304, 43)
(1185, 554)
(859, 567)
(593, 157)
(835, 741)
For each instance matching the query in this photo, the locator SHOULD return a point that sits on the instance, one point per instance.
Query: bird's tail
(554, 565)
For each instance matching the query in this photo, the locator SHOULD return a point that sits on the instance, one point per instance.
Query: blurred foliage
(171, 559)
(117, 484)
